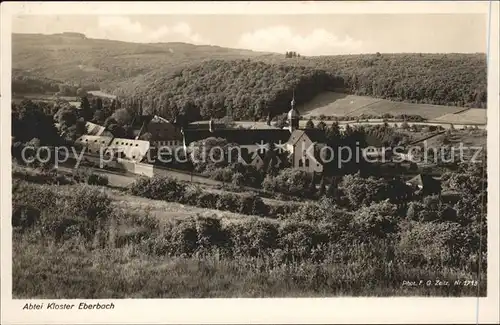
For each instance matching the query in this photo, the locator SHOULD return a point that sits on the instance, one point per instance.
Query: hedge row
(86, 216)
(169, 189)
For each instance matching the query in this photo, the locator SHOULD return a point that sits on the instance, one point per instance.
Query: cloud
(122, 28)
(282, 39)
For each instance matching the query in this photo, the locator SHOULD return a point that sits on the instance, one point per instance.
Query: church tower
(293, 116)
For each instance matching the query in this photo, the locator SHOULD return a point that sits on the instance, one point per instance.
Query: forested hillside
(209, 81)
(250, 89)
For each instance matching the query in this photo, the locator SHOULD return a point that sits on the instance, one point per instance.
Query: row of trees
(292, 54)
(23, 83)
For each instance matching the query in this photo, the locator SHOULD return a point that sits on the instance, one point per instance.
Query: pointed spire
(292, 103)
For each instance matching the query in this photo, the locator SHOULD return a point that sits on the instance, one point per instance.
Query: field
(469, 138)
(68, 58)
(336, 104)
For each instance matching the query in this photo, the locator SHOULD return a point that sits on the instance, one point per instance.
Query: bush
(289, 181)
(377, 219)
(297, 240)
(433, 243)
(95, 179)
(228, 202)
(159, 188)
(253, 238)
(252, 204)
(24, 217)
(206, 200)
(238, 180)
(210, 234)
(363, 191)
(431, 209)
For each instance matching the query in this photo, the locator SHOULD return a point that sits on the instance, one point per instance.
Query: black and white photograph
(168, 155)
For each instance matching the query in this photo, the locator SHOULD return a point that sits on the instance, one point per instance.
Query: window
(86, 140)
(300, 163)
(307, 162)
(136, 145)
(95, 140)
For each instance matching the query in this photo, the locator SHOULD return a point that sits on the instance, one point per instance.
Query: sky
(307, 34)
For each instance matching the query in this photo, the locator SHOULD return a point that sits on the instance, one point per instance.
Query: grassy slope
(126, 272)
(337, 104)
(475, 115)
(68, 58)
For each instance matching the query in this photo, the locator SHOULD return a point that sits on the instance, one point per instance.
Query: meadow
(337, 104)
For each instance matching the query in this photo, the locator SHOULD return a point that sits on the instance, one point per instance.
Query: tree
(30, 121)
(333, 134)
(322, 187)
(238, 179)
(117, 130)
(321, 126)
(98, 117)
(363, 191)
(379, 219)
(209, 154)
(309, 124)
(64, 90)
(85, 110)
(80, 92)
(289, 181)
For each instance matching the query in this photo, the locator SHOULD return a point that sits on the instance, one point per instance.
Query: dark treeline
(27, 84)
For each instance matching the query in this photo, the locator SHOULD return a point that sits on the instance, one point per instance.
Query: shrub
(159, 188)
(227, 202)
(252, 204)
(31, 195)
(95, 179)
(206, 200)
(224, 174)
(210, 233)
(253, 237)
(181, 237)
(432, 243)
(363, 191)
(238, 180)
(377, 219)
(289, 181)
(282, 211)
(24, 217)
(431, 209)
(297, 240)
